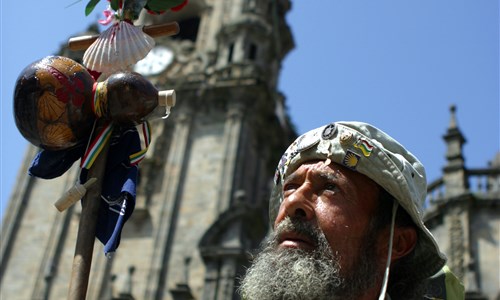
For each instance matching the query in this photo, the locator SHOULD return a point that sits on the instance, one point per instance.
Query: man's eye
(330, 187)
(290, 187)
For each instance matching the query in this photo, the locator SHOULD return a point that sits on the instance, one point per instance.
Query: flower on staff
(180, 6)
(158, 7)
(109, 15)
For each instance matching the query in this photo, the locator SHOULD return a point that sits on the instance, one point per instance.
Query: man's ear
(405, 239)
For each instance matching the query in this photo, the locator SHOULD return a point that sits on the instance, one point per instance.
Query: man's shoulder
(444, 286)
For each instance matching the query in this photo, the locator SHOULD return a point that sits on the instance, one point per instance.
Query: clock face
(157, 60)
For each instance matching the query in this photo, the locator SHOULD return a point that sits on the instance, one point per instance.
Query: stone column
(231, 142)
(169, 197)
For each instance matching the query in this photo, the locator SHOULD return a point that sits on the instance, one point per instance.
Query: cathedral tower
(463, 215)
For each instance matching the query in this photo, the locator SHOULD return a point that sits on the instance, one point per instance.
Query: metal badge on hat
(329, 131)
(346, 138)
(308, 139)
(365, 146)
(351, 159)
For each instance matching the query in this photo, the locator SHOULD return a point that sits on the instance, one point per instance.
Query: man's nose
(300, 204)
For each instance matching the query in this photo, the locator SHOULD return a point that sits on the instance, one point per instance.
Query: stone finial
(126, 288)
(453, 117)
(455, 177)
(182, 291)
(187, 261)
(454, 137)
(239, 196)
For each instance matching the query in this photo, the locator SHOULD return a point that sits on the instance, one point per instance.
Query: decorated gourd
(51, 103)
(56, 102)
(129, 98)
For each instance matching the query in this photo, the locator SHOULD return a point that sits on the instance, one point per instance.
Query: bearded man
(347, 211)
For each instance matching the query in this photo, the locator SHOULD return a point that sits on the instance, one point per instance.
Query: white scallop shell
(118, 48)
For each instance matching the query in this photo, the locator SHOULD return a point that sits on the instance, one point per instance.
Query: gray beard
(295, 274)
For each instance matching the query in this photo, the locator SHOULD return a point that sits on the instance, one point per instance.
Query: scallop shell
(57, 136)
(118, 48)
(49, 107)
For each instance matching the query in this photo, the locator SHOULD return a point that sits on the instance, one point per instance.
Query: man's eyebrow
(328, 176)
(291, 177)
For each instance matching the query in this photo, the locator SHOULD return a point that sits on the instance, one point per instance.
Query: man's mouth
(295, 240)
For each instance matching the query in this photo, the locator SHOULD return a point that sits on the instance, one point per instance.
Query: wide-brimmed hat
(369, 151)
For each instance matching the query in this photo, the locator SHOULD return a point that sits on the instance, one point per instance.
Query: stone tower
(464, 216)
(202, 197)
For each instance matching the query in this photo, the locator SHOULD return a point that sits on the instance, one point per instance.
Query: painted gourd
(52, 107)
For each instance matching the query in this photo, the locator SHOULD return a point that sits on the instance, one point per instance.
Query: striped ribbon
(103, 137)
(98, 105)
(137, 157)
(96, 147)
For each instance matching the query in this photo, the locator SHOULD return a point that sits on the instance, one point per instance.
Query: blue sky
(396, 64)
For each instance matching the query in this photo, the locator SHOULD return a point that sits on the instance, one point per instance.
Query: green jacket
(445, 286)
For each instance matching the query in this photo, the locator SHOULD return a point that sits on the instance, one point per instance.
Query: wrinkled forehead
(329, 170)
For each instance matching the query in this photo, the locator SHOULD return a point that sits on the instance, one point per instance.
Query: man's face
(339, 201)
(323, 244)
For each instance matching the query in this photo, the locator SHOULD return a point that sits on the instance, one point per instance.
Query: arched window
(252, 52)
(230, 53)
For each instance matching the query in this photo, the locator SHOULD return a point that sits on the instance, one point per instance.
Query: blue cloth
(51, 164)
(118, 190)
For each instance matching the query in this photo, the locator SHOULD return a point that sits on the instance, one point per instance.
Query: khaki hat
(369, 151)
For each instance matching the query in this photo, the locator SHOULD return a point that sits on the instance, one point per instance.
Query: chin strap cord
(389, 254)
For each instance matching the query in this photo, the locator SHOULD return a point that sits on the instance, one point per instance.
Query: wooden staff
(83, 42)
(84, 248)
